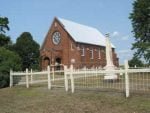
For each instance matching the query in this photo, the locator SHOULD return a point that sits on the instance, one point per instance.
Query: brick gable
(69, 51)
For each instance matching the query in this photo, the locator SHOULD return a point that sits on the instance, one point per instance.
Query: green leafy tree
(140, 18)
(8, 60)
(4, 40)
(4, 24)
(135, 62)
(28, 50)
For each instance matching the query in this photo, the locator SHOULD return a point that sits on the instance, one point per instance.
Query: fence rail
(128, 80)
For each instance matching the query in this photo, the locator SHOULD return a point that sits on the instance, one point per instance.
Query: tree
(4, 24)
(28, 50)
(8, 60)
(135, 62)
(4, 40)
(140, 18)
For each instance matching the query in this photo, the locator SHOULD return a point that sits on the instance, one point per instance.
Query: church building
(68, 42)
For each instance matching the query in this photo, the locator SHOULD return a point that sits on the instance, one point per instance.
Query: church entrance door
(46, 62)
(58, 62)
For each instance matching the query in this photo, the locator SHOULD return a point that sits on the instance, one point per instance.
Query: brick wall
(70, 51)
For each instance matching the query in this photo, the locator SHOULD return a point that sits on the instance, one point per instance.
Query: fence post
(11, 78)
(72, 79)
(96, 71)
(126, 78)
(31, 77)
(49, 78)
(85, 69)
(53, 72)
(66, 78)
(27, 78)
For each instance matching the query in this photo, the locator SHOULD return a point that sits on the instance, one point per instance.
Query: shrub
(4, 80)
(8, 60)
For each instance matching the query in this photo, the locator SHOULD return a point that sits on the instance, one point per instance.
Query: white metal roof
(84, 34)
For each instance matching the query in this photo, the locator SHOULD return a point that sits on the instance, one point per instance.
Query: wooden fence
(129, 80)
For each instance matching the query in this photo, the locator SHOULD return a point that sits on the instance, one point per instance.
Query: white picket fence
(29, 77)
(129, 80)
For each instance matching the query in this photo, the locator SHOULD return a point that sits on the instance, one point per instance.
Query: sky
(108, 16)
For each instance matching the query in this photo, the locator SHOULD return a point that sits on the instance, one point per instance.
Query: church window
(72, 47)
(55, 24)
(91, 54)
(82, 51)
(99, 54)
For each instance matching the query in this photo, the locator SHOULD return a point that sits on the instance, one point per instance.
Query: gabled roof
(83, 34)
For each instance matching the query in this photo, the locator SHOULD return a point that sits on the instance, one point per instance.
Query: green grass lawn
(38, 99)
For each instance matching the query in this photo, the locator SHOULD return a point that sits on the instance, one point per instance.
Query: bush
(8, 60)
(4, 81)
(135, 62)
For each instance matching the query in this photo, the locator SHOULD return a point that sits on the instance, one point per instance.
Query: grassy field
(38, 99)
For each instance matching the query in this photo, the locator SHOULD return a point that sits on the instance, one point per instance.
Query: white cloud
(125, 54)
(115, 34)
(124, 51)
(126, 37)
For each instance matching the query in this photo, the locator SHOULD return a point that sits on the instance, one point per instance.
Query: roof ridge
(77, 23)
(83, 33)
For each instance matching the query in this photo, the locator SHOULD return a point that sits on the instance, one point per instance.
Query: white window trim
(78, 48)
(99, 54)
(72, 47)
(83, 52)
(55, 24)
(92, 55)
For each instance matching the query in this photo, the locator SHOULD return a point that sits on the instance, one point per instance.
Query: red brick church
(68, 43)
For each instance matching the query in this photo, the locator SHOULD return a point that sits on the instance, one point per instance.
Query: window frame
(82, 51)
(91, 54)
(99, 54)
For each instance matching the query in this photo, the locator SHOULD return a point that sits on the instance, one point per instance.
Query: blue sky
(108, 16)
